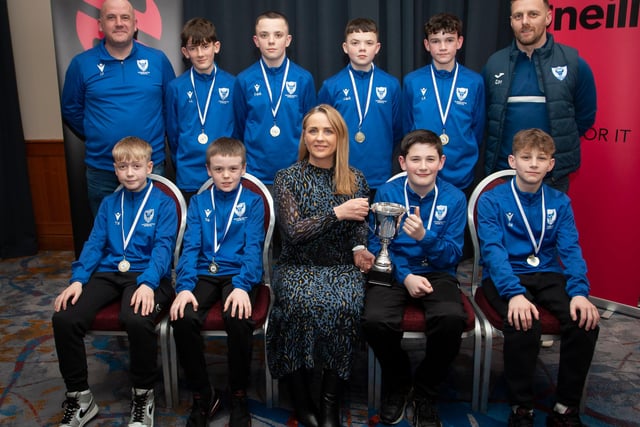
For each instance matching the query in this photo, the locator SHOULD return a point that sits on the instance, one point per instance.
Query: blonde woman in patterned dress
(321, 206)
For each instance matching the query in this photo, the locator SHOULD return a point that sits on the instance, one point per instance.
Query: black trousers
(445, 321)
(190, 344)
(521, 348)
(71, 325)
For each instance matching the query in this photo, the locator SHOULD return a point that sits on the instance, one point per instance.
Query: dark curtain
(17, 224)
(317, 27)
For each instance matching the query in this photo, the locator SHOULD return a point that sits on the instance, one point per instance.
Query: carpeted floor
(31, 390)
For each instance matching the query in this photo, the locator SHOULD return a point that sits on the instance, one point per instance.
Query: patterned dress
(319, 292)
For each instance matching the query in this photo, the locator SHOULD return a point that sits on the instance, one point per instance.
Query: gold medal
(444, 138)
(533, 260)
(360, 137)
(274, 131)
(203, 138)
(123, 266)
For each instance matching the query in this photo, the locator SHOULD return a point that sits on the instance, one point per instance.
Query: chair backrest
(171, 190)
(398, 175)
(252, 183)
(486, 184)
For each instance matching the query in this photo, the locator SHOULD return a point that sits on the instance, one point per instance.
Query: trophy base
(380, 278)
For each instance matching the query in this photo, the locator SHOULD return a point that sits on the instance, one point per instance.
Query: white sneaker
(79, 409)
(142, 408)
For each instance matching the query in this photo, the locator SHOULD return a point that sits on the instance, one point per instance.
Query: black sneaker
(570, 418)
(521, 417)
(425, 413)
(203, 410)
(392, 407)
(239, 415)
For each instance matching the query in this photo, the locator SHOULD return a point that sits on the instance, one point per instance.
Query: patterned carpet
(31, 390)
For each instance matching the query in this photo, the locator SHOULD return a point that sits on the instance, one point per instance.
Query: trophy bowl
(387, 222)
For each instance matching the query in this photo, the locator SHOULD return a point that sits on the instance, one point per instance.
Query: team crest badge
(240, 209)
(551, 216)
(291, 87)
(223, 92)
(381, 92)
(559, 72)
(441, 212)
(207, 212)
(143, 64)
(148, 215)
(461, 93)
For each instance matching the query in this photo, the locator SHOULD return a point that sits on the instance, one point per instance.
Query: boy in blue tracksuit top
(271, 97)
(113, 90)
(531, 255)
(369, 100)
(221, 260)
(199, 106)
(127, 257)
(425, 255)
(447, 98)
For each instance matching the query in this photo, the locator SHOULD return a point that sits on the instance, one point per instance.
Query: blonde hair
(131, 148)
(344, 180)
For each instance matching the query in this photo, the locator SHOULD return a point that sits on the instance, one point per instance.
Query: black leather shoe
(392, 407)
(303, 406)
(425, 413)
(203, 409)
(239, 413)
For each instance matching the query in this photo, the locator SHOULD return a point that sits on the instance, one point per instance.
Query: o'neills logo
(617, 14)
(149, 22)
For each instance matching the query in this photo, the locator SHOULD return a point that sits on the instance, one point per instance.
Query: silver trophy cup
(386, 215)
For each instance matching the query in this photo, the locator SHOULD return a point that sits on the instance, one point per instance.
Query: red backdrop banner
(604, 190)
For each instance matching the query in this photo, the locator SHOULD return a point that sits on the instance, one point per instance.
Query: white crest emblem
(497, 76)
(223, 92)
(148, 215)
(240, 209)
(207, 212)
(143, 64)
(117, 215)
(101, 68)
(291, 87)
(189, 94)
(423, 91)
(461, 93)
(256, 87)
(559, 72)
(441, 212)
(346, 92)
(551, 216)
(509, 216)
(381, 92)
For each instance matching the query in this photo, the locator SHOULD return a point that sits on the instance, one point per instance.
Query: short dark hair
(443, 22)
(360, 25)
(199, 30)
(420, 136)
(272, 14)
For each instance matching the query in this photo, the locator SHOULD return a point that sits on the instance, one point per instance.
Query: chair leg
(373, 382)
(166, 362)
(486, 370)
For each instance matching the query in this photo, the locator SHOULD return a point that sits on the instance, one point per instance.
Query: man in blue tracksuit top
(113, 90)
(198, 104)
(448, 99)
(221, 261)
(531, 255)
(369, 100)
(424, 255)
(127, 258)
(271, 97)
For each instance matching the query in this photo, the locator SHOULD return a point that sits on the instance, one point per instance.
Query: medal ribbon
(355, 93)
(445, 114)
(433, 205)
(125, 241)
(216, 244)
(274, 111)
(536, 247)
(203, 117)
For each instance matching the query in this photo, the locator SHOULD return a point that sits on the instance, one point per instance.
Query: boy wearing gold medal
(127, 257)
(531, 255)
(221, 260)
